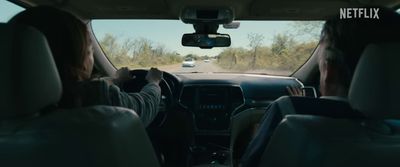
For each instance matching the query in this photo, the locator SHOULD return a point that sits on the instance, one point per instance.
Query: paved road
(201, 66)
(212, 67)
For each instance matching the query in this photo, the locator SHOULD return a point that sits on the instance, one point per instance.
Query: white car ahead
(188, 63)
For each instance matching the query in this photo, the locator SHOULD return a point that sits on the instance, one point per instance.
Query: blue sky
(169, 32)
(8, 10)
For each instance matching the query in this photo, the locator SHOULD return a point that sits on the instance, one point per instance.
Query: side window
(8, 10)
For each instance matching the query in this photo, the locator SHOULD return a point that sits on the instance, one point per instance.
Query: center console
(211, 107)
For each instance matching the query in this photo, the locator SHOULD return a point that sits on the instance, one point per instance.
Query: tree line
(137, 53)
(284, 54)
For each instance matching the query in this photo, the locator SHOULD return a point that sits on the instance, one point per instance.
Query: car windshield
(265, 47)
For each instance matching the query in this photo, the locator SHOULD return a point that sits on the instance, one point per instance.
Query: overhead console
(211, 105)
(206, 22)
(194, 15)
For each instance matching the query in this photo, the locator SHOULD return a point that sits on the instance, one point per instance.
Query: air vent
(187, 96)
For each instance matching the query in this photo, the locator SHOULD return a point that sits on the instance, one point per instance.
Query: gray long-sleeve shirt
(145, 103)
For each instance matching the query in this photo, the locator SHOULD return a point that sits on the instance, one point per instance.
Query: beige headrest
(375, 88)
(30, 81)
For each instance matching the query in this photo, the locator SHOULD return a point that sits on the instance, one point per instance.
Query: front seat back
(306, 140)
(34, 133)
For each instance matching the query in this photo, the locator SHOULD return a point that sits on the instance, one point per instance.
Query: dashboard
(205, 108)
(213, 99)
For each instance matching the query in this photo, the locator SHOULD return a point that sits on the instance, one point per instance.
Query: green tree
(110, 45)
(308, 29)
(255, 41)
(281, 43)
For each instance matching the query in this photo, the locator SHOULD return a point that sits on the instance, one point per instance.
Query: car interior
(205, 118)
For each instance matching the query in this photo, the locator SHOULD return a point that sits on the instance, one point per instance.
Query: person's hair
(346, 39)
(67, 36)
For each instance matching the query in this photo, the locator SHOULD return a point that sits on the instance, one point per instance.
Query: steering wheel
(138, 81)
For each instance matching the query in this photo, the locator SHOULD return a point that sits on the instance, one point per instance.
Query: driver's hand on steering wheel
(154, 75)
(121, 76)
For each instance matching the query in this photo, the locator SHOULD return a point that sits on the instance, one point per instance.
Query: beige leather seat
(306, 140)
(34, 133)
(243, 127)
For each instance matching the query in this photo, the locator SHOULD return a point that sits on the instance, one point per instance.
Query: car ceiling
(244, 9)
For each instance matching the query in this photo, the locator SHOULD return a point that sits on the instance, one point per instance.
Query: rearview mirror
(206, 41)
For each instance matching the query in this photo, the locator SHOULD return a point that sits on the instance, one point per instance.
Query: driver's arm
(145, 103)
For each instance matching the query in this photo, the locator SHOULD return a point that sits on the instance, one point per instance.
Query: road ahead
(201, 66)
